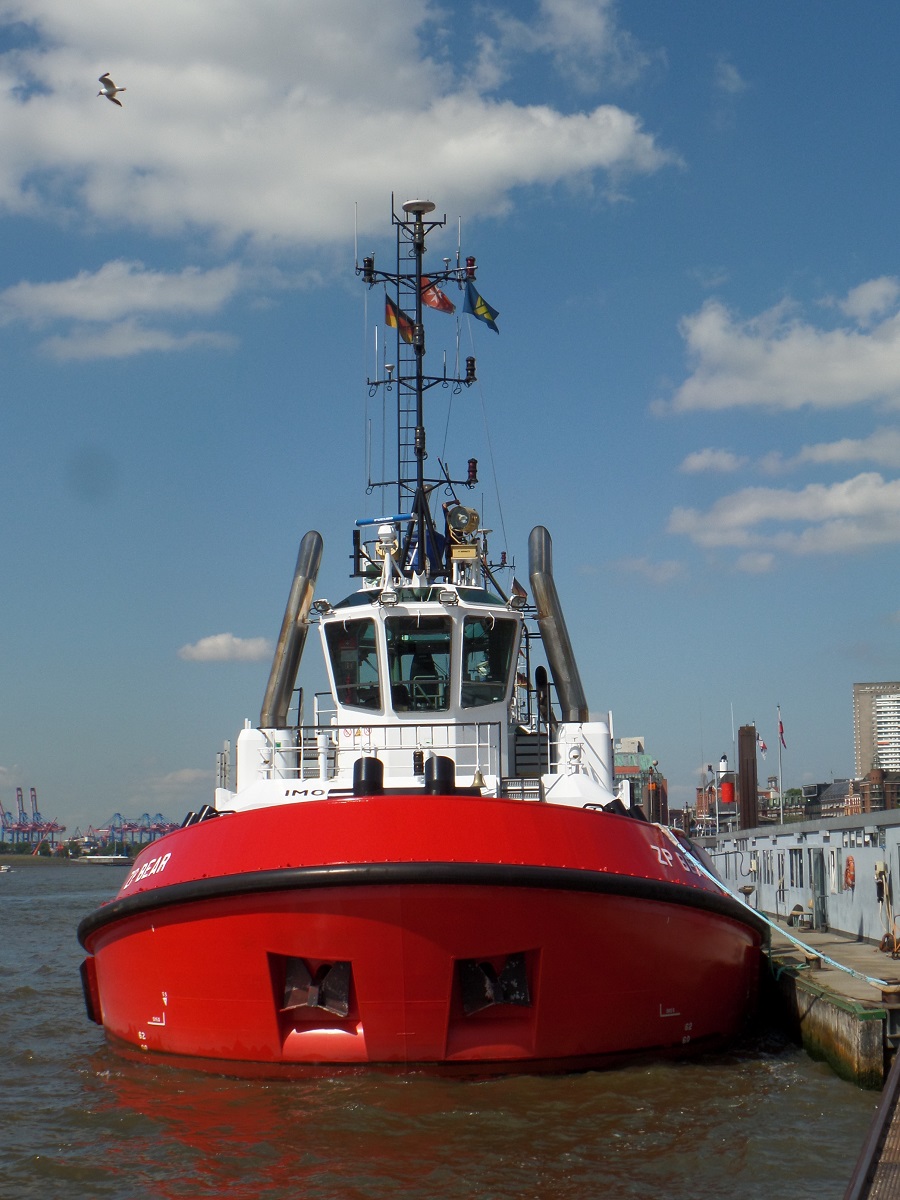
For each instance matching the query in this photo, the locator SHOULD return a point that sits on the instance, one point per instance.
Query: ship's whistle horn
(478, 778)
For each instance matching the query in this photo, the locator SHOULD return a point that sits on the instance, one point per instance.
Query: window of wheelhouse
(354, 663)
(418, 650)
(489, 645)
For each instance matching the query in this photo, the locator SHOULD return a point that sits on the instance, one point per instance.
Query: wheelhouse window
(352, 649)
(489, 645)
(418, 650)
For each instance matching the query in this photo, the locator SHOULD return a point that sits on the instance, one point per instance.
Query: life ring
(850, 872)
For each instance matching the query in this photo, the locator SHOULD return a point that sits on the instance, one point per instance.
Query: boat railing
(324, 752)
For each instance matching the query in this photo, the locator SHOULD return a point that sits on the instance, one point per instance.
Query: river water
(76, 1120)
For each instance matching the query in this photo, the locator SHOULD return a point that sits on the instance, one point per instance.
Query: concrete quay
(848, 1018)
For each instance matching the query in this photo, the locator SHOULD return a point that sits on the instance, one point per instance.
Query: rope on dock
(879, 983)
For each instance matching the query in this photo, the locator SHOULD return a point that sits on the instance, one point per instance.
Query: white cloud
(583, 39)
(853, 515)
(186, 776)
(265, 126)
(711, 459)
(127, 338)
(173, 792)
(881, 447)
(778, 361)
(659, 573)
(225, 647)
(756, 564)
(269, 122)
(871, 299)
(118, 289)
(118, 295)
(709, 277)
(728, 78)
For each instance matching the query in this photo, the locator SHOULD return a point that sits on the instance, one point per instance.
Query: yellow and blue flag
(479, 307)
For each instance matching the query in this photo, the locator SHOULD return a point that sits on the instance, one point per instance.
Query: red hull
(623, 945)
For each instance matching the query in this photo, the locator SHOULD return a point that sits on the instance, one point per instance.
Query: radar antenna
(420, 553)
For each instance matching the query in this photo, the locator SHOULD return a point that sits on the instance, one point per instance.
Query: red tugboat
(435, 871)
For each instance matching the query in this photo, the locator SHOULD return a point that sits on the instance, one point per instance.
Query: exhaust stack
(552, 625)
(294, 629)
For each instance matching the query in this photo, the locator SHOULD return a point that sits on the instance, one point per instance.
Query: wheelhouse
(438, 651)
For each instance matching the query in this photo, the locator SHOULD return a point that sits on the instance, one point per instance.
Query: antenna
(419, 208)
(420, 554)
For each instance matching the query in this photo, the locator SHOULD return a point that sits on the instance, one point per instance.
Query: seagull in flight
(109, 89)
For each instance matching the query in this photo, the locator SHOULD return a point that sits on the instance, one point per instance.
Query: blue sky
(687, 219)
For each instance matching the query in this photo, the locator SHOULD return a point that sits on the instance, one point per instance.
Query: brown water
(78, 1121)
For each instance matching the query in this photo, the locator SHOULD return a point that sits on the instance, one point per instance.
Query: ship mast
(420, 554)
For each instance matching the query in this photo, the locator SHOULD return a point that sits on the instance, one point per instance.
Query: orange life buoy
(850, 872)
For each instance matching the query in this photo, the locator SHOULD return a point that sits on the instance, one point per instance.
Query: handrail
(865, 1171)
(314, 751)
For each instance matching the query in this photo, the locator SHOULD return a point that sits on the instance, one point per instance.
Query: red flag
(781, 734)
(435, 298)
(397, 319)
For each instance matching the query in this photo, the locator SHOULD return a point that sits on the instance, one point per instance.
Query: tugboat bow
(436, 867)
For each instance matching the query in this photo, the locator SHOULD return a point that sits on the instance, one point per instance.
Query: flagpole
(419, 554)
(780, 786)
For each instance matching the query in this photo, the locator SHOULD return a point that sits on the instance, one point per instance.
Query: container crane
(40, 829)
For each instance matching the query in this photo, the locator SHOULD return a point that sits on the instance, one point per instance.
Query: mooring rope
(832, 962)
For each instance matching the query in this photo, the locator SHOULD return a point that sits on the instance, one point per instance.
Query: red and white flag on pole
(435, 298)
